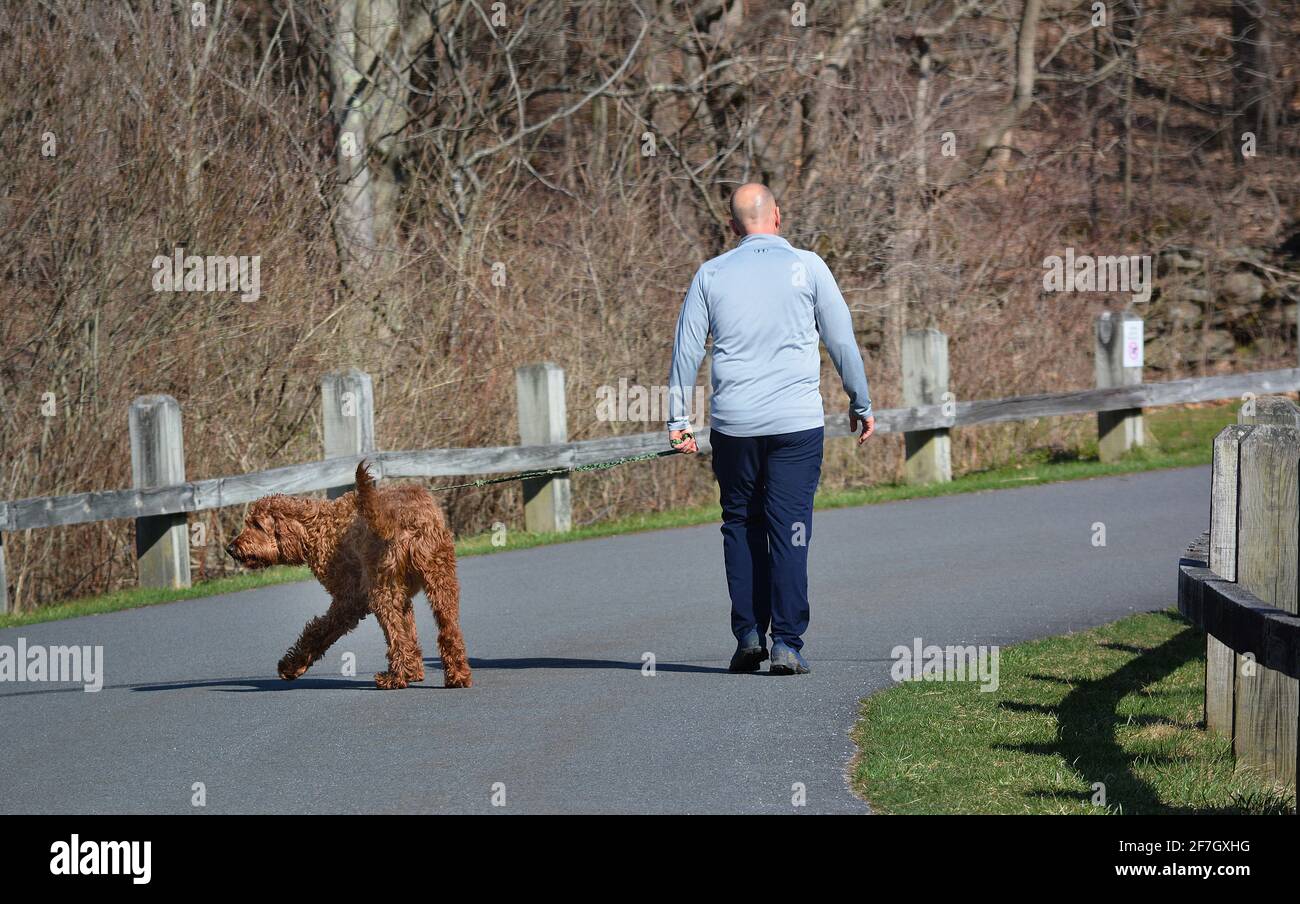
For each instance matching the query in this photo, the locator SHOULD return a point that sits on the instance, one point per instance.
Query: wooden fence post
(542, 421)
(925, 382)
(1268, 537)
(1118, 357)
(348, 417)
(162, 547)
(1220, 661)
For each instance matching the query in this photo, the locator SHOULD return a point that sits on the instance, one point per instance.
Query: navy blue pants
(766, 486)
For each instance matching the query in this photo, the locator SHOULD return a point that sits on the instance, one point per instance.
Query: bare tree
(1254, 74)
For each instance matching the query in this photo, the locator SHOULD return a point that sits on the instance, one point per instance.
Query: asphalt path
(563, 716)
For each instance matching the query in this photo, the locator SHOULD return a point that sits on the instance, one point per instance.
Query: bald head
(754, 210)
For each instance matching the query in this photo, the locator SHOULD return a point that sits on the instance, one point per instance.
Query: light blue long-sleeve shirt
(766, 303)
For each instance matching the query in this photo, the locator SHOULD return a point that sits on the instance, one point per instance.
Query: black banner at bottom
(316, 854)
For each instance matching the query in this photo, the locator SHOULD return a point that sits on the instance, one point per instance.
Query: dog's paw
(291, 667)
(389, 681)
(458, 679)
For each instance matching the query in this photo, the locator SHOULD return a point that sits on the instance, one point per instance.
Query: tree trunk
(371, 57)
(1254, 75)
(816, 106)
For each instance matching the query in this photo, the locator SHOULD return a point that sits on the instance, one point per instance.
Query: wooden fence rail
(1240, 586)
(159, 503)
(216, 492)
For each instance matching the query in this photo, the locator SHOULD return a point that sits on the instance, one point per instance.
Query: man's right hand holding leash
(682, 441)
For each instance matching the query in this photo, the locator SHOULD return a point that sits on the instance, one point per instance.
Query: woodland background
(585, 150)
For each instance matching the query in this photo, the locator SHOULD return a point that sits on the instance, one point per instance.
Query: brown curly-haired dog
(372, 549)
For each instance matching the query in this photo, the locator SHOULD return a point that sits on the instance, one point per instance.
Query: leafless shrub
(504, 207)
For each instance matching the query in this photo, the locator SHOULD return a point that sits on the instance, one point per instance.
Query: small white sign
(1132, 343)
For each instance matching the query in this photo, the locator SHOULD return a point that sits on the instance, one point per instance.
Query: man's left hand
(868, 426)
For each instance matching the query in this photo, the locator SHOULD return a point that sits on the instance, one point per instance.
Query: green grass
(137, 597)
(1180, 437)
(1119, 705)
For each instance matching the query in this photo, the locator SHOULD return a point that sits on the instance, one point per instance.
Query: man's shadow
(559, 662)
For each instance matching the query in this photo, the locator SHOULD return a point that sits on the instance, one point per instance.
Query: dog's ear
(273, 506)
(283, 517)
(258, 518)
(291, 539)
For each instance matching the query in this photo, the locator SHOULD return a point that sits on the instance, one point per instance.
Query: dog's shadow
(255, 685)
(247, 685)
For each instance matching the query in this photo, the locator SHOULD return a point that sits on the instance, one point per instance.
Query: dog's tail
(379, 516)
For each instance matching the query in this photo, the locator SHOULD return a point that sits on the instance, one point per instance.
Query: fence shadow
(1087, 719)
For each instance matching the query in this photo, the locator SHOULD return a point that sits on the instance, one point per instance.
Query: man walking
(765, 304)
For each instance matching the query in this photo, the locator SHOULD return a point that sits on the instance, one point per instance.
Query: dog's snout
(230, 550)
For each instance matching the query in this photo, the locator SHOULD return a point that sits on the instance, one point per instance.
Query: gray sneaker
(786, 661)
(749, 653)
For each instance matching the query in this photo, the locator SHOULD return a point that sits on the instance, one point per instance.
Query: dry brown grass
(237, 159)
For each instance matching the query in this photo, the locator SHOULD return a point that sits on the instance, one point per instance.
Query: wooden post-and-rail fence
(1239, 584)
(161, 495)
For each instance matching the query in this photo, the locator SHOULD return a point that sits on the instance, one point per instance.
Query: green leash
(551, 472)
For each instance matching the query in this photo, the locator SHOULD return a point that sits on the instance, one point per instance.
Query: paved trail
(560, 711)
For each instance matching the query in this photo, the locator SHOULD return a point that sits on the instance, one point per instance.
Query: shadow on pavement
(249, 685)
(556, 662)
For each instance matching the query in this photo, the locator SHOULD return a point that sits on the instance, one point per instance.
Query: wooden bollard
(347, 417)
(162, 548)
(925, 382)
(1118, 357)
(542, 421)
(1220, 661)
(1268, 538)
